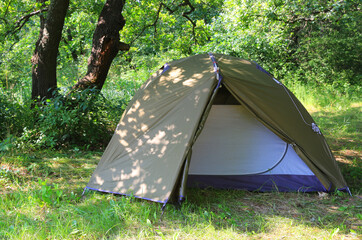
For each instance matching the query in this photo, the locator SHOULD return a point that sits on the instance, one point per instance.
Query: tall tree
(146, 17)
(44, 60)
(106, 40)
(106, 45)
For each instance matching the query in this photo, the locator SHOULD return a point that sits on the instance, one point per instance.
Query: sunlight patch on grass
(40, 198)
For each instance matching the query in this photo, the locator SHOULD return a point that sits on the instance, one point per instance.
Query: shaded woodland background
(69, 68)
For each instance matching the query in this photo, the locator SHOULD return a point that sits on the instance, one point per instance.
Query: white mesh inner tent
(233, 142)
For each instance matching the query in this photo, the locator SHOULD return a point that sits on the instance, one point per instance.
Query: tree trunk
(105, 45)
(44, 60)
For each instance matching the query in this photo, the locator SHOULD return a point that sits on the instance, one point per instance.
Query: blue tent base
(262, 183)
(123, 194)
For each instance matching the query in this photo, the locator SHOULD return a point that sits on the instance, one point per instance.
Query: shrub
(14, 116)
(83, 118)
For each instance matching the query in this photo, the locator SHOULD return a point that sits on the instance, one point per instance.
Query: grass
(51, 208)
(41, 199)
(344, 135)
(27, 213)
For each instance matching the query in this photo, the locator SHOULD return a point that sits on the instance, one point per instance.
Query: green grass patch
(52, 209)
(40, 196)
(343, 131)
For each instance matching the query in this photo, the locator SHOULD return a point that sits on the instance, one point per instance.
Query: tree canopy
(313, 42)
(322, 37)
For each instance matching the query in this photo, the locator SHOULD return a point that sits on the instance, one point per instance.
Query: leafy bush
(312, 41)
(83, 118)
(80, 118)
(14, 116)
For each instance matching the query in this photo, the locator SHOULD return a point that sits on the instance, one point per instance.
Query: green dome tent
(214, 120)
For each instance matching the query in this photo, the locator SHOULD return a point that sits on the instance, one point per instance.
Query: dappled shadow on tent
(148, 147)
(146, 156)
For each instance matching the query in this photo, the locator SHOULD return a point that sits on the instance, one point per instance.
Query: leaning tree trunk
(105, 46)
(44, 59)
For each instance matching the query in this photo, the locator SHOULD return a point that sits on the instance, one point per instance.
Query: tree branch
(6, 11)
(313, 15)
(4, 20)
(123, 46)
(21, 22)
(149, 25)
(171, 11)
(186, 15)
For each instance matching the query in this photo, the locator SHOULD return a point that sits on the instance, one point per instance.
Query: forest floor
(41, 199)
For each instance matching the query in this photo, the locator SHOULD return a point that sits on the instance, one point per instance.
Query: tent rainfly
(215, 120)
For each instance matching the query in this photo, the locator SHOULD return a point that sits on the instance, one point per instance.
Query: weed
(49, 194)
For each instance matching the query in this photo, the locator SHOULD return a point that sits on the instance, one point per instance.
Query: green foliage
(49, 194)
(312, 46)
(83, 118)
(14, 116)
(153, 29)
(15, 67)
(16, 47)
(10, 17)
(76, 42)
(306, 41)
